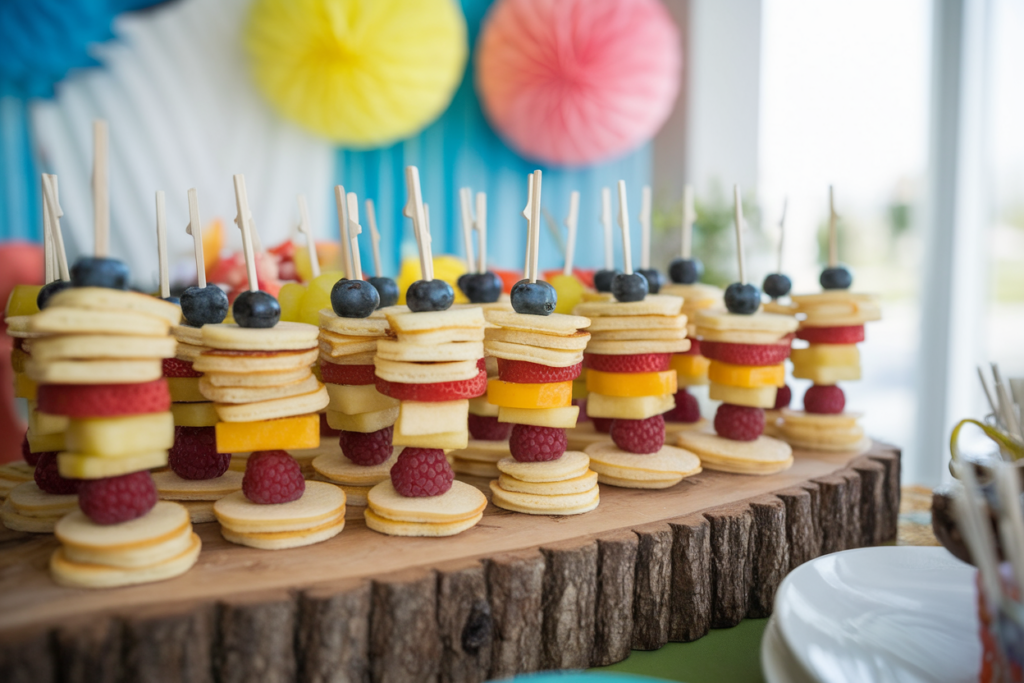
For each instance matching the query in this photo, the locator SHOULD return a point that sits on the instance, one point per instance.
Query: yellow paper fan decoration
(362, 73)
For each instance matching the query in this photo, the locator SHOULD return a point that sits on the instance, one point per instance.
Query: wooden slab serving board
(516, 593)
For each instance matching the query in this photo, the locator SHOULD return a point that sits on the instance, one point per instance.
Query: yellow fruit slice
(290, 299)
(826, 354)
(448, 441)
(185, 389)
(25, 387)
(355, 399)
(115, 437)
(579, 387)
(419, 418)
(747, 376)
(480, 406)
(22, 301)
(286, 433)
(512, 395)
(558, 418)
(631, 383)
(628, 408)
(86, 466)
(827, 374)
(194, 414)
(43, 443)
(44, 423)
(18, 359)
(757, 397)
(363, 423)
(689, 365)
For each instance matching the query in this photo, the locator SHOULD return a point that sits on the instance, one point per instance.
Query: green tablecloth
(731, 655)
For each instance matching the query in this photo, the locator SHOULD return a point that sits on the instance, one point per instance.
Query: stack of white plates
(901, 614)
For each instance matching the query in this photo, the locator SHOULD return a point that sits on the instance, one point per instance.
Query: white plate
(777, 661)
(897, 614)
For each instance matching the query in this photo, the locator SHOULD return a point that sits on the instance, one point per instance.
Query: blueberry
(205, 305)
(463, 282)
(93, 271)
(429, 295)
(629, 287)
(653, 277)
(173, 300)
(386, 289)
(777, 285)
(49, 290)
(481, 288)
(534, 298)
(354, 298)
(686, 271)
(836, 278)
(742, 299)
(603, 279)
(256, 309)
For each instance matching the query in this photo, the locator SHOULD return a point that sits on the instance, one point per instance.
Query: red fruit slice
(746, 354)
(639, 436)
(485, 428)
(641, 362)
(437, 391)
(602, 425)
(694, 348)
(175, 367)
(851, 334)
(481, 364)
(824, 400)
(524, 372)
(687, 409)
(104, 400)
(332, 373)
(739, 423)
(326, 429)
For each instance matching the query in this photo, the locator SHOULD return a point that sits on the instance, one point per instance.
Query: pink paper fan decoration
(572, 82)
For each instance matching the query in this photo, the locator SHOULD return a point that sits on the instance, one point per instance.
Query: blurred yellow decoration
(290, 299)
(362, 73)
(447, 268)
(570, 292)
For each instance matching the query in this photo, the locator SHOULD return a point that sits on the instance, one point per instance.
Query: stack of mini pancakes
(317, 516)
(29, 509)
(691, 367)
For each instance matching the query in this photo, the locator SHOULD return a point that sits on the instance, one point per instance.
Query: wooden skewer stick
(371, 219)
(161, 243)
(427, 237)
(606, 221)
(833, 238)
(738, 211)
(988, 395)
(465, 200)
(354, 230)
(535, 223)
(570, 225)
(627, 255)
(100, 188)
(414, 211)
(554, 230)
(782, 230)
(242, 204)
(645, 227)
(527, 213)
(52, 195)
(1006, 404)
(49, 260)
(307, 229)
(480, 225)
(342, 205)
(689, 218)
(195, 228)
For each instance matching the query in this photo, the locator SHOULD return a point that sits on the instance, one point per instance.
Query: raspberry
(739, 423)
(639, 436)
(537, 444)
(368, 449)
(435, 391)
(642, 362)
(26, 453)
(272, 477)
(117, 499)
(694, 349)
(687, 409)
(481, 364)
(746, 354)
(581, 416)
(850, 334)
(783, 397)
(104, 400)
(487, 428)
(602, 425)
(332, 373)
(824, 400)
(48, 477)
(194, 454)
(422, 472)
(326, 429)
(175, 367)
(524, 372)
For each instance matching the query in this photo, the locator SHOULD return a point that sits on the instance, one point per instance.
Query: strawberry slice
(175, 367)
(850, 334)
(104, 400)
(694, 348)
(332, 373)
(746, 354)
(641, 362)
(436, 391)
(524, 372)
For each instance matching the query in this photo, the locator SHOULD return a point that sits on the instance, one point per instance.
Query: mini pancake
(133, 558)
(94, 371)
(627, 348)
(809, 434)
(18, 327)
(335, 349)
(845, 420)
(580, 484)
(570, 465)
(617, 323)
(91, 466)
(425, 373)
(172, 487)
(555, 324)
(421, 529)
(29, 500)
(284, 336)
(457, 504)
(56, 320)
(319, 503)
(443, 336)
(653, 484)
(374, 326)
(472, 468)
(165, 521)
(186, 334)
(551, 357)
(780, 309)
(696, 295)
(483, 451)
(700, 425)
(670, 462)
(355, 496)
(245, 362)
(18, 471)
(102, 346)
(258, 379)
(105, 299)
(357, 359)
(78, 575)
(738, 336)
(652, 304)
(760, 322)
(391, 349)
(199, 511)
(189, 352)
(640, 334)
(569, 342)
(584, 434)
(280, 540)
(255, 394)
(573, 504)
(406, 321)
(303, 404)
(763, 455)
(861, 446)
(337, 468)
(16, 521)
